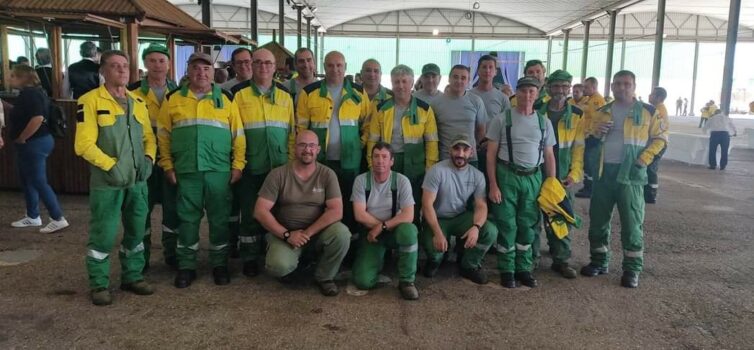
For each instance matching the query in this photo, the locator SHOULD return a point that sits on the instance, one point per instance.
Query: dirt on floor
(696, 292)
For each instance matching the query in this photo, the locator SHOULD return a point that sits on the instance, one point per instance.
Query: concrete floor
(696, 291)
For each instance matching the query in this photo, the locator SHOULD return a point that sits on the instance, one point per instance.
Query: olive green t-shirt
(299, 203)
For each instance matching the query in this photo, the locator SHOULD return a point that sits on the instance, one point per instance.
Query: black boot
(221, 275)
(184, 278)
(586, 191)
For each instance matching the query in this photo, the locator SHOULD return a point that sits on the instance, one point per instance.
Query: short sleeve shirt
(458, 115)
(453, 187)
(380, 201)
(495, 102)
(525, 138)
(299, 203)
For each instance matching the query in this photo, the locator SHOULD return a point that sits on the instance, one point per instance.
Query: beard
(306, 158)
(460, 162)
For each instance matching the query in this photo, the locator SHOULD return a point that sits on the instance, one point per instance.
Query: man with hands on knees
(300, 205)
(383, 204)
(448, 186)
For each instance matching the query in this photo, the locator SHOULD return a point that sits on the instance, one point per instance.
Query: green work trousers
(345, 180)
(330, 245)
(370, 258)
(251, 232)
(457, 226)
(416, 186)
(108, 205)
(163, 192)
(630, 201)
(198, 191)
(517, 218)
(560, 249)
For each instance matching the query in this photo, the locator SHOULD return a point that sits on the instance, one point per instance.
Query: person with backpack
(34, 143)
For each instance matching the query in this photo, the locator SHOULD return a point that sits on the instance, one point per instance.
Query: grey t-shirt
(453, 187)
(525, 138)
(495, 102)
(458, 115)
(613, 141)
(380, 201)
(228, 85)
(333, 146)
(424, 96)
(396, 141)
(159, 92)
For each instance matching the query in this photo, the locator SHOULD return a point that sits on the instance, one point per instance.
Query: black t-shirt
(31, 102)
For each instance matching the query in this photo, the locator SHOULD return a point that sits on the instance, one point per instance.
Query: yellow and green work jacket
(114, 141)
(314, 111)
(141, 89)
(268, 125)
(570, 129)
(200, 134)
(420, 149)
(644, 136)
(590, 105)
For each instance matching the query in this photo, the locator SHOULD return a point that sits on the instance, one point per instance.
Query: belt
(519, 171)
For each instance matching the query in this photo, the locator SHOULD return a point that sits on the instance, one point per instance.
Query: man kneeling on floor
(384, 205)
(448, 186)
(300, 205)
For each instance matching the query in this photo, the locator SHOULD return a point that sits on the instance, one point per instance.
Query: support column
(253, 19)
(281, 22)
(730, 55)
(132, 50)
(694, 74)
(170, 43)
(398, 37)
(309, 31)
(322, 53)
(585, 49)
(298, 25)
(659, 32)
(5, 56)
(566, 36)
(473, 27)
(206, 12)
(56, 54)
(610, 51)
(316, 46)
(549, 54)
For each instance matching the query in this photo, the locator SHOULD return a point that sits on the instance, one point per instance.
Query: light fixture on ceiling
(476, 5)
(435, 32)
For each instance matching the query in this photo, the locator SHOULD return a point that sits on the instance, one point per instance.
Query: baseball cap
(200, 56)
(430, 68)
(528, 81)
(460, 139)
(154, 47)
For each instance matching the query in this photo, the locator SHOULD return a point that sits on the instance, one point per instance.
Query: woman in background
(33, 145)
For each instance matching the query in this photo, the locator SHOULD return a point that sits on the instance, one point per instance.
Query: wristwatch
(477, 226)
(384, 226)
(286, 235)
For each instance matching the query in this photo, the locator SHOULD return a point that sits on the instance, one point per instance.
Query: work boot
(592, 270)
(184, 278)
(328, 288)
(171, 261)
(250, 268)
(535, 262)
(233, 252)
(430, 268)
(630, 279)
(564, 270)
(221, 275)
(408, 290)
(138, 287)
(507, 280)
(474, 275)
(526, 279)
(586, 191)
(101, 297)
(146, 268)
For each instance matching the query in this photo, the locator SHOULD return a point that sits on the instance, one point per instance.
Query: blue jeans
(32, 169)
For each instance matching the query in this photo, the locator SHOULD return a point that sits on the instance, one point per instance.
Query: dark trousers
(32, 170)
(722, 139)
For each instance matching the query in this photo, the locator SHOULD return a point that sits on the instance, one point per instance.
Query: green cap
(154, 47)
(528, 81)
(430, 68)
(560, 75)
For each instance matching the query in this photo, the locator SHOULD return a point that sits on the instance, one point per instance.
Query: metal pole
(585, 49)
(730, 54)
(690, 109)
(610, 49)
(549, 53)
(567, 35)
(623, 45)
(473, 26)
(206, 13)
(281, 24)
(322, 52)
(308, 31)
(298, 25)
(253, 18)
(397, 37)
(659, 33)
(316, 46)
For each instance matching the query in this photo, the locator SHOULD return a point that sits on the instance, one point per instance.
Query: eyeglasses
(263, 63)
(307, 145)
(242, 62)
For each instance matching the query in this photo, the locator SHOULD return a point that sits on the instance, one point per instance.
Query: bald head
(263, 67)
(335, 68)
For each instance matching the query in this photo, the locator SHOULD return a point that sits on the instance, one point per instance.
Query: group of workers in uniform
(419, 168)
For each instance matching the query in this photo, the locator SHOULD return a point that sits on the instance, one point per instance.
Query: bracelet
(477, 226)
